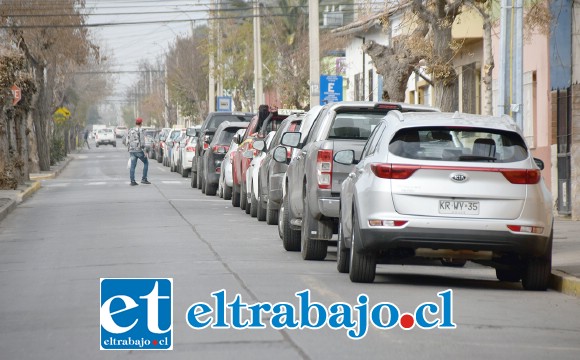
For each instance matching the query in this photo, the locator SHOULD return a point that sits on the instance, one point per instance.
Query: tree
(54, 46)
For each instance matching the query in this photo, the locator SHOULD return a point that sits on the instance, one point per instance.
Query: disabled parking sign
(330, 89)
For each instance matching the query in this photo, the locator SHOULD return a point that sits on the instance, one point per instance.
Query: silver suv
(446, 186)
(313, 179)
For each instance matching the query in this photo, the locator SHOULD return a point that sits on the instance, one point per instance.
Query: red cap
(138, 121)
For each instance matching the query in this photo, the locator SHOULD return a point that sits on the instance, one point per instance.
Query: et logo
(136, 314)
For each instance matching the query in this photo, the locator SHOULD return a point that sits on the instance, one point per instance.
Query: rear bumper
(329, 207)
(454, 239)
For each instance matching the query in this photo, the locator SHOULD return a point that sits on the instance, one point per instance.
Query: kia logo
(459, 177)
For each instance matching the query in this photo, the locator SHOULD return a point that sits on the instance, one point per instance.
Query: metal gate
(564, 137)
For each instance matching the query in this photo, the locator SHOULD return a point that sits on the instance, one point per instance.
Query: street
(89, 224)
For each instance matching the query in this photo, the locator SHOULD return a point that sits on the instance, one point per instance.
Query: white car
(120, 131)
(176, 152)
(446, 186)
(226, 180)
(105, 137)
(252, 175)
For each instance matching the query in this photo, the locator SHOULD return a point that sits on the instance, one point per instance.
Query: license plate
(458, 207)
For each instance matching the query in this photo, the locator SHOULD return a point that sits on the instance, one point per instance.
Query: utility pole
(166, 91)
(258, 80)
(511, 61)
(314, 45)
(211, 90)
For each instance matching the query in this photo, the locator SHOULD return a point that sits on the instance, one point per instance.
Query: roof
(417, 119)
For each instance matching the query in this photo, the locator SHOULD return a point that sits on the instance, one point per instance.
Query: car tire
(363, 266)
(261, 211)
(115, 145)
(159, 158)
(538, 270)
(342, 253)
(203, 184)
(198, 174)
(185, 173)
(97, 144)
(253, 204)
(311, 249)
(271, 214)
(290, 237)
(508, 275)
(193, 181)
(227, 192)
(235, 197)
(243, 196)
(210, 189)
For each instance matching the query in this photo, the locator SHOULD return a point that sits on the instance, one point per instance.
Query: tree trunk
(21, 154)
(443, 73)
(33, 161)
(487, 67)
(40, 123)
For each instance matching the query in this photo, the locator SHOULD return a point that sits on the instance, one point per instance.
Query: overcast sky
(131, 44)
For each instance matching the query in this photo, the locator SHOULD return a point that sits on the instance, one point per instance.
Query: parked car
(313, 179)
(188, 150)
(213, 157)
(258, 129)
(252, 176)
(105, 137)
(226, 179)
(271, 174)
(120, 131)
(178, 144)
(422, 189)
(168, 145)
(149, 136)
(206, 132)
(159, 144)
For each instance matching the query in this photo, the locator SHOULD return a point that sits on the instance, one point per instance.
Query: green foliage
(57, 152)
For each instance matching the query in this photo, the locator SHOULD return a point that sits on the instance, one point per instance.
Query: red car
(265, 121)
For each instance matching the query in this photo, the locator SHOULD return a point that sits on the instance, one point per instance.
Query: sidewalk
(565, 252)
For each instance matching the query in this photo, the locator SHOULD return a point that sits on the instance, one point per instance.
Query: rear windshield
(106, 130)
(355, 126)
(227, 135)
(459, 144)
(216, 120)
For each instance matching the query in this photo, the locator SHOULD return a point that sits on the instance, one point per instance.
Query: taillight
(205, 145)
(526, 229)
(288, 153)
(522, 176)
(393, 171)
(220, 149)
(324, 167)
(387, 223)
(189, 149)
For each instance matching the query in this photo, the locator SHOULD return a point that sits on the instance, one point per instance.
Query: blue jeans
(138, 155)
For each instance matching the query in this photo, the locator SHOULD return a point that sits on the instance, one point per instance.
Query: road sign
(330, 89)
(224, 103)
(61, 114)
(16, 93)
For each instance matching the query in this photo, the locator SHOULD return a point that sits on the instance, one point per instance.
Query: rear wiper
(476, 158)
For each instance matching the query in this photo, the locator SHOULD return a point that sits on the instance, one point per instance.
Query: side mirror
(206, 139)
(345, 157)
(191, 132)
(291, 139)
(248, 154)
(237, 139)
(539, 163)
(280, 154)
(259, 145)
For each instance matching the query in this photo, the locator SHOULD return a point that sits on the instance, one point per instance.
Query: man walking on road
(86, 136)
(135, 145)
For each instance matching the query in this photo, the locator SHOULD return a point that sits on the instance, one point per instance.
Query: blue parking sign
(330, 89)
(136, 314)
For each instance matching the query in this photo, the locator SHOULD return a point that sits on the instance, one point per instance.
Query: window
(371, 145)
(458, 144)
(350, 125)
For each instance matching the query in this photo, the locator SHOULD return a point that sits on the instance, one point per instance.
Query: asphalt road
(90, 224)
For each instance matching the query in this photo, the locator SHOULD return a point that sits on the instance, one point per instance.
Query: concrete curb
(54, 171)
(565, 283)
(6, 207)
(26, 193)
